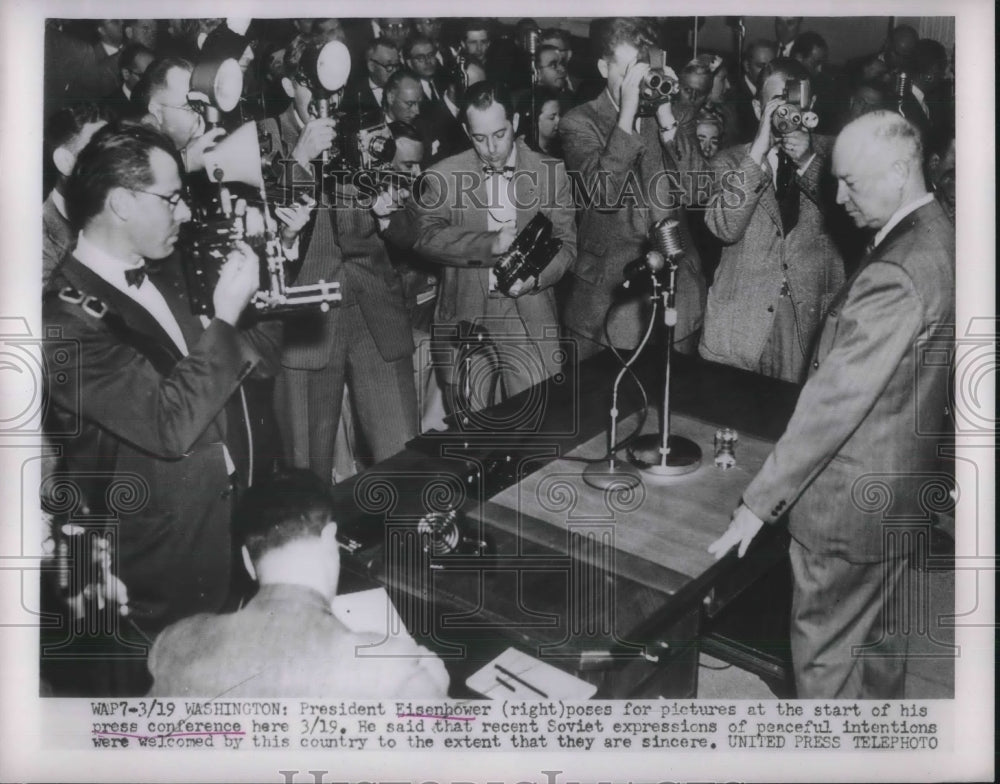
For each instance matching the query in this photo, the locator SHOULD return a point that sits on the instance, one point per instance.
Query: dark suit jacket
(122, 107)
(57, 238)
(624, 178)
(76, 70)
(348, 250)
(860, 450)
(285, 643)
(166, 417)
(452, 229)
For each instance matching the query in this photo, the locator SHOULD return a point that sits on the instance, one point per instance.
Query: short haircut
(471, 25)
(758, 43)
(890, 128)
(116, 157)
(393, 82)
(928, 54)
(806, 42)
(404, 130)
(556, 32)
(385, 43)
(415, 40)
(484, 94)
(127, 57)
(522, 103)
(155, 78)
(66, 124)
(293, 504)
(700, 65)
(786, 66)
(624, 30)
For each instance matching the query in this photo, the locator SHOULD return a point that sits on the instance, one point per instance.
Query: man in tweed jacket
(859, 454)
(776, 276)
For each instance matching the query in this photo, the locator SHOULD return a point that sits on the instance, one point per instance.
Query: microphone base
(684, 455)
(612, 475)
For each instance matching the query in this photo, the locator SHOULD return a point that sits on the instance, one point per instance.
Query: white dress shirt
(451, 107)
(899, 214)
(376, 91)
(919, 95)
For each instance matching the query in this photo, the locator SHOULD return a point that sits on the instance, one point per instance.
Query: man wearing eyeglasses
(365, 96)
(154, 392)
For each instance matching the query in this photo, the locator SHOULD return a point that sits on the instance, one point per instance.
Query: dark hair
(63, 125)
(473, 24)
(758, 43)
(295, 50)
(806, 42)
(556, 32)
(155, 78)
(116, 157)
(127, 57)
(528, 122)
(404, 130)
(413, 40)
(484, 94)
(786, 66)
(928, 53)
(292, 504)
(376, 43)
(624, 30)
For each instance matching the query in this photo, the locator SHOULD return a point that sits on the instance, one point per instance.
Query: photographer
(467, 229)
(629, 168)
(156, 394)
(779, 267)
(366, 341)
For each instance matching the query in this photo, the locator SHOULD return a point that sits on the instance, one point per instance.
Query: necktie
(136, 275)
(507, 172)
(787, 192)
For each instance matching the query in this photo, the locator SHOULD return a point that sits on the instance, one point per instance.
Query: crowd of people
(490, 125)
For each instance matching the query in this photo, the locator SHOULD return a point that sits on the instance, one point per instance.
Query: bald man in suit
(862, 421)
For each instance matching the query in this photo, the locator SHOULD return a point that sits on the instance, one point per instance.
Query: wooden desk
(608, 594)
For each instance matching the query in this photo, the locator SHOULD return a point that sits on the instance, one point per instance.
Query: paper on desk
(552, 682)
(369, 612)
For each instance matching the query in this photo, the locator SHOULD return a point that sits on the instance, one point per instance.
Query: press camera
(531, 252)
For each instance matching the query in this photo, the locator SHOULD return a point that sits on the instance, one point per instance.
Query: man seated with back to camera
(779, 268)
(287, 640)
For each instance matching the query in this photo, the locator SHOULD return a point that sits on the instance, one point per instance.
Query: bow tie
(507, 172)
(136, 275)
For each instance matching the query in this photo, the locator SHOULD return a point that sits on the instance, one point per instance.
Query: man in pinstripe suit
(366, 342)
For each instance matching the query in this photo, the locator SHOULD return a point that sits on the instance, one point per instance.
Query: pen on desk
(524, 683)
(504, 683)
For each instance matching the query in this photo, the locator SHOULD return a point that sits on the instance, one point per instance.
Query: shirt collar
(293, 592)
(60, 201)
(511, 159)
(109, 49)
(102, 263)
(451, 107)
(899, 214)
(127, 91)
(750, 86)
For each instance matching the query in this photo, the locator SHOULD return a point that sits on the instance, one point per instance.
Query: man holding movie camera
(366, 342)
(779, 267)
(155, 395)
(632, 173)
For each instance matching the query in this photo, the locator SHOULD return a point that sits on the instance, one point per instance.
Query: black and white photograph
(390, 390)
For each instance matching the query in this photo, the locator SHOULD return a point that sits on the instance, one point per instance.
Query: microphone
(667, 238)
(532, 41)
(323, 110)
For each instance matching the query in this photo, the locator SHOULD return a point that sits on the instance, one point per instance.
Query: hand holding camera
(239, 280)
(797, 145)
(764, 139)
(628, 100)
(317, 137)
(390, 200)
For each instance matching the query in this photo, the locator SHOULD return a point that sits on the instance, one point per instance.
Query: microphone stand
(663, 454)
(615, 475)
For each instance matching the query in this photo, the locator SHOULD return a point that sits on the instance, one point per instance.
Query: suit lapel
(526, 198)
(134, 316)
